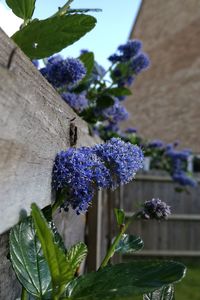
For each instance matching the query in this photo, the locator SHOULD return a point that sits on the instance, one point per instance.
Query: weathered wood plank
(34, 124)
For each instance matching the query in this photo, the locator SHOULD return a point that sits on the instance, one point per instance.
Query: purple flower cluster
(129, 61)
(115, 113)
(60, 72)
(130, 130)
(179, 159)
(122, 159)
(156, 144)
(155, 209)
(126, 51)
(77, 101)
(82, 171)
(139, 63)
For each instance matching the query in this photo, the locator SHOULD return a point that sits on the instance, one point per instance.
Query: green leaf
(120, 216)
(28, 260)
(22, 8)
(118, 92)
(61, 272)
(105, 101)
(43, 38)
(129, 244)
(123, 281)
(166, 293)
(88, 61)
(76, 255)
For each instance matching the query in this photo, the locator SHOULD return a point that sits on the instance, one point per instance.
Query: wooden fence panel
(34, 125)
(179, 235)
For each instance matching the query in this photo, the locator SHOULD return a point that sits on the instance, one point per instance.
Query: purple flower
(156, 144)
(130, 49)
(175, 154)
(123, 159)
(182, 178)
(130, 130)
(140, 63)
(126, 51)
(115, 113)
(79, 172)
(60, 72)
(114, 58)
(36, 63)
(155, 209)
(77, 101)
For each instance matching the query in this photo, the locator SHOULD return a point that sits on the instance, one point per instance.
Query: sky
(113, 27)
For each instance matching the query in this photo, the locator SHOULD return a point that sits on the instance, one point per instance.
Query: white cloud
(8, 21)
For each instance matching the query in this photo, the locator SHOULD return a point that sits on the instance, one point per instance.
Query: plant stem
(24, 295)
(116, 241)
(62, 10)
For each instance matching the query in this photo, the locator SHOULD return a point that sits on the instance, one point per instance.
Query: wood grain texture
(35, 124)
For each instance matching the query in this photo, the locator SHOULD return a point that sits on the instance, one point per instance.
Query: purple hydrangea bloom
(81, 171)
(60, 72)
(123, 159)
(155, 209)
(140, 63)
(77, 101)
(115, 113)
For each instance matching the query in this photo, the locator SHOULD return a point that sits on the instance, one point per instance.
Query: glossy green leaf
(22, 8)
(28, 260)
(166, 293)
(76, 255)
(43, 38)
(60, 270)
(105, 101)
(119, 215)
(118, 92)
(129, 244)
(123, 281)
(88, 60)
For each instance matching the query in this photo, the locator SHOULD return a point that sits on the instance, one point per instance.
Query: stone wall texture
(166, 98)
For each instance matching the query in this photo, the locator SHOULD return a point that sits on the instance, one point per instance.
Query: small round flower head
(115, 113)
(82, 171)
(140, 63)
(123, 160)
(130, 49)
(77, 101)
(126, 51)
(60, 72)
(155, 209)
